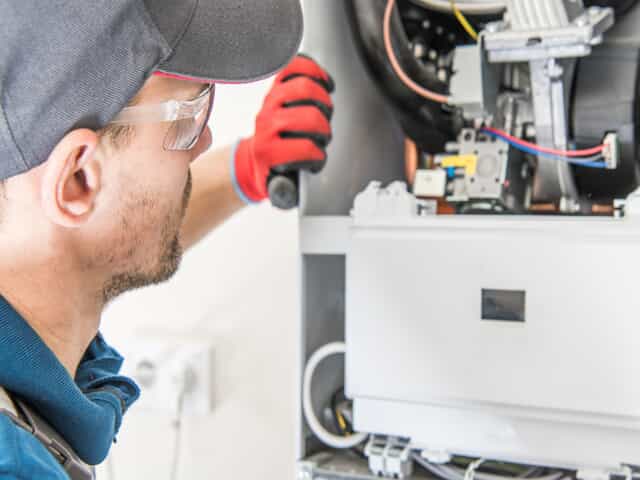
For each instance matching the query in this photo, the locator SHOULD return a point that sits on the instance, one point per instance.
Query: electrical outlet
(162, 368)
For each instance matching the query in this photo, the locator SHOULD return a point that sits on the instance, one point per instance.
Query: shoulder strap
(24, 417)
(6, 403)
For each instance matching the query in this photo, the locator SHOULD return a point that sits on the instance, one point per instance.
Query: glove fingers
(327, 85)
(326, 110)
(298, 153)
(292, 129)
(321, 140)
(302, 65)
(302, 119)
(300, 91)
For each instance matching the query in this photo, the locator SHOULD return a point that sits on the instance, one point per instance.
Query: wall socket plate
(159, 366)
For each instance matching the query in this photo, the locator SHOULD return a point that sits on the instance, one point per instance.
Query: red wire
(563, 153)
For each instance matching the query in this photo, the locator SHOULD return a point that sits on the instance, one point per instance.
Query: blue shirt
(87, 411)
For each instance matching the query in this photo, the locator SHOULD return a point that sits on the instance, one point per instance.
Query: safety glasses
(188, 118)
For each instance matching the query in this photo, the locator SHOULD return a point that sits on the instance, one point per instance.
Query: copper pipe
(602, 209)
(410, 161)
(543, 207)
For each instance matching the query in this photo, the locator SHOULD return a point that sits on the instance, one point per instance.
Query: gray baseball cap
(68, 64)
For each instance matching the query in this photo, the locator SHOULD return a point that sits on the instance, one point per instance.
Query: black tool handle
(283, 190)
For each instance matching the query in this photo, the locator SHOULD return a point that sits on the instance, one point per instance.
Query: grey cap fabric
(68, 64)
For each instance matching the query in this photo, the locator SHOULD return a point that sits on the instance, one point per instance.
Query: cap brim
(237, 41)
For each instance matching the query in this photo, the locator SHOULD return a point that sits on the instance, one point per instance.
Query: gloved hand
(291, 132)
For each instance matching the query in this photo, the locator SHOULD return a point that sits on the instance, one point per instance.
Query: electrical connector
(611, 150)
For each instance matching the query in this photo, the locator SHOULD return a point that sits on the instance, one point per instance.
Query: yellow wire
(341, 422)
(463, 21)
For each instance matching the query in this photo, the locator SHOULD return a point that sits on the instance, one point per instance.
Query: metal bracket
(541, 30)
(548, 94)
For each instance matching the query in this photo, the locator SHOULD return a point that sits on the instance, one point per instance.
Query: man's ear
(71, 179)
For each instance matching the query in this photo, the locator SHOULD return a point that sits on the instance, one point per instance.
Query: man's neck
(63, 309)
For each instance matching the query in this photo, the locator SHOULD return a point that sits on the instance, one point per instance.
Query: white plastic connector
(611, 151)
(430, 183)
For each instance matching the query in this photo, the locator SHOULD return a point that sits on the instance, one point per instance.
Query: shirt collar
(86, 411)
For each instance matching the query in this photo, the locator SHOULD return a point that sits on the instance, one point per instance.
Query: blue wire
(576, 161)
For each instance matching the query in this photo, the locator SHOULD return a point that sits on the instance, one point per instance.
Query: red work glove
(292, 129)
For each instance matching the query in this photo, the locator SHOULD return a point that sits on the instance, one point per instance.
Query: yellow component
(468, 162)
(341, 421)
(463, 21)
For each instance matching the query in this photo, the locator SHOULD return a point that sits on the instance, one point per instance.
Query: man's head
(81, 194)
(110, 202)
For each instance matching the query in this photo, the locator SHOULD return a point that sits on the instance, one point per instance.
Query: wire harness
(590, 157)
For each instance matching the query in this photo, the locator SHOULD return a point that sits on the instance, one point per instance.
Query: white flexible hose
(316, 427)
(474, 8)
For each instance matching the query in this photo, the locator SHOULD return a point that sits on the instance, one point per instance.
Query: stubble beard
(166, 266)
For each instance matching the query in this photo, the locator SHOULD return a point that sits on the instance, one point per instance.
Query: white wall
(238, 288)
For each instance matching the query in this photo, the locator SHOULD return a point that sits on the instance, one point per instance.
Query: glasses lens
(184, 133)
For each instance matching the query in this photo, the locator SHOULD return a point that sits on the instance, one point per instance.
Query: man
(103, 124)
